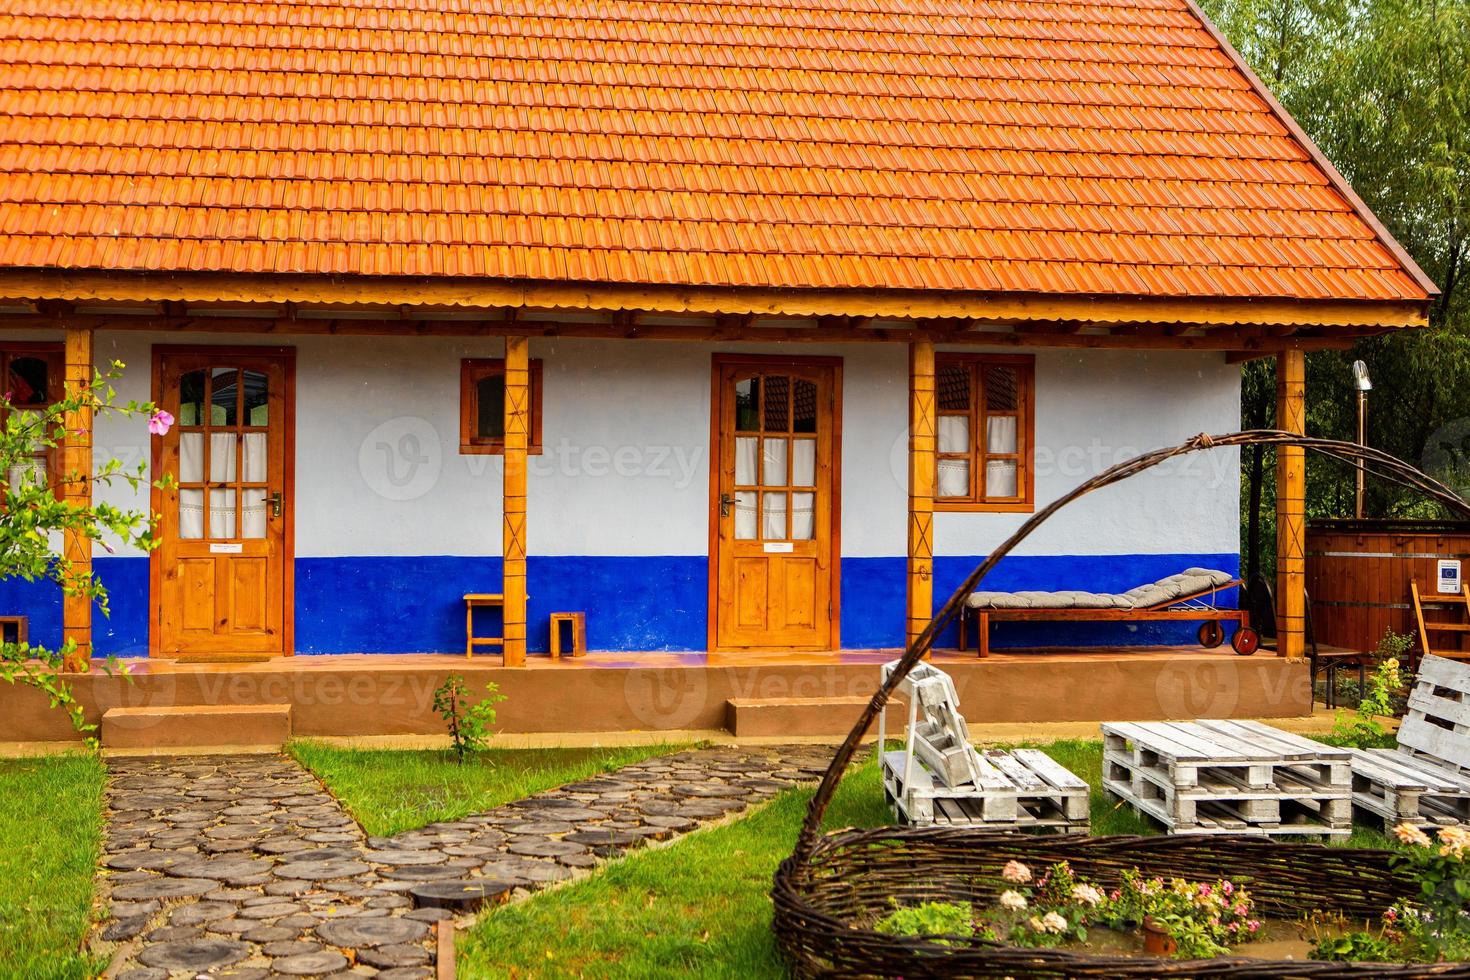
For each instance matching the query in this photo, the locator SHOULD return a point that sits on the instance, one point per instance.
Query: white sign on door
(1449, 576)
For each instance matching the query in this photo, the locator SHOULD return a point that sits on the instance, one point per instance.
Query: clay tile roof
(1085, 146)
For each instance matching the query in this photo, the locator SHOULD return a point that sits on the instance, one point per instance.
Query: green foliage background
(1383, 88)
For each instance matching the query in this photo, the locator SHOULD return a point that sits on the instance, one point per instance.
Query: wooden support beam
(513, 542)
(76, 489)
(1291, 493)
(923, 423)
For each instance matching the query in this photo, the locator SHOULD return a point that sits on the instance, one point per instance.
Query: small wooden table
(480, 600)
(578, 622)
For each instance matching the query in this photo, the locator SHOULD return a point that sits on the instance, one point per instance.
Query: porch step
(797, 717)
(189, 726)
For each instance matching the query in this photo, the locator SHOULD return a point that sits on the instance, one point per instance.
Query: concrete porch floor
(664, 695)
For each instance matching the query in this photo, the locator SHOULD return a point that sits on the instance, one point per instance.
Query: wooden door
(774, 504)
(221, 573)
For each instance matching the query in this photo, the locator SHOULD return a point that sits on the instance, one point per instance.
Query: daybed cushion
(1187, 582)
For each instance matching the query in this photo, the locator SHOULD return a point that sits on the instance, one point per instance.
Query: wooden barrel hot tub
(1358, 575)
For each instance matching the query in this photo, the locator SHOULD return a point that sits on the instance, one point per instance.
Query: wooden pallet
(1426, 780)
(1228, 777)
(1021, 790)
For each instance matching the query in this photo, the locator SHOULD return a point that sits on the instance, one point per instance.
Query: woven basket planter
(832, 889)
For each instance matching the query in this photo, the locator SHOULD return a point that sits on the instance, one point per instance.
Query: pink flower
(1241, 910)
(1016, 873)
(1228, 887)
(1253, 925)
(159, 423)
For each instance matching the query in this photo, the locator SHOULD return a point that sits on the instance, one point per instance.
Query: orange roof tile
(1090, 146)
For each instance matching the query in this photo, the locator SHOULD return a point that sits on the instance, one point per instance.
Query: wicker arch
(822, 900)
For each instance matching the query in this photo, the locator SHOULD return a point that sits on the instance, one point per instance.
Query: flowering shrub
(1204, 918)
(1441, 925)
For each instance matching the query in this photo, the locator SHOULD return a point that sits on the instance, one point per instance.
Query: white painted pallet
(939, 779)
(1426, 780)
(1228, 777)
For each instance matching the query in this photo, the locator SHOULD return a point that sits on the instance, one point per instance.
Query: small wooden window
(986, 405)
(482, 406)
(33, 382)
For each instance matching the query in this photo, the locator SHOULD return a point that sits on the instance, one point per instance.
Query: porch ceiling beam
(100, 285)
(1249, 341)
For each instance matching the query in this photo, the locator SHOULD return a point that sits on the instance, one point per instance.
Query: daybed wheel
(1211, 634)
(1246, 641)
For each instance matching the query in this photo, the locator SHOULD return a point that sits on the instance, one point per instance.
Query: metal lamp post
(1364, 385)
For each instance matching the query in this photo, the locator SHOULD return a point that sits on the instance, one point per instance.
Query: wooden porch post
(76, 461)
(921, 488)
(1291, 492)
(513, 537)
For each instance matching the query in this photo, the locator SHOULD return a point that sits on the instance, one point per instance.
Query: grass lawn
(51, 822)
(699, 907)
(392, 790)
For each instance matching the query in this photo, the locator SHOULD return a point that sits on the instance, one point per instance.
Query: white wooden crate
(1228, 777)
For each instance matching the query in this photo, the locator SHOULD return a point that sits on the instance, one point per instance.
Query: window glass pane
(1000, 434)
(191, 398)
(805, 407)
(745, 515)
(224, 397)
(745, 461)
(255, 513)
(191, 457)
(747, 418)
(253, 468)
(490, 407)
(954, 433)
(773, 473)
(802, 515)
(1002, 388)
(30, 381)
(803, 462)
(773, 516)
(953, 478)
(777, 403)
(257, 393)
(953, 383)
(1000, 478)
(222, 512)
(191, 514)
(222, 457)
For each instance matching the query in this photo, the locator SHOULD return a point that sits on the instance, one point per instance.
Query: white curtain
(191, 514)
(1000, 434)
(954, 433)
(746, 473)
(954, 478)
(803, 507)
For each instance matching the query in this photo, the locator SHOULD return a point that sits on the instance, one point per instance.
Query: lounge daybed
(1190, 595)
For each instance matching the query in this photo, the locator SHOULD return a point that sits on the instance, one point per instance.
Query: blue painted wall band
(415, 604)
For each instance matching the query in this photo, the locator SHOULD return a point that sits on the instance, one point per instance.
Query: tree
(35, 519)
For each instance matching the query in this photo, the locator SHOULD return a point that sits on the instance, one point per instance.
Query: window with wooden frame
(33, 382)
(986, 404)
(482, 406)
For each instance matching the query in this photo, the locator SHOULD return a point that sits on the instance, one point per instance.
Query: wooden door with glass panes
(221, 571)
(773, 495)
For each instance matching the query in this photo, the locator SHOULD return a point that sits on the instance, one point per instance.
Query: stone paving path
(246, 867)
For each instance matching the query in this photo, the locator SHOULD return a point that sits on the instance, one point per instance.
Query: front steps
(799, 717)
(194, 726)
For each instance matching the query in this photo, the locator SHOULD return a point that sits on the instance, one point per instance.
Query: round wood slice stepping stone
(708, 790)
(283, 845)
(322, 870)
(595, 838)
(234, 831)
(358, 933)
(322, 854)
(580, 860)
(196, 913)
(545, 848)
(274, 911)
(225, 869)
(143, 973)
(388, 957)
(147, 859)
(227, 846)
(270, 934)
(249, 810)
(676, 825)
(461, 895)
(404, 856)
(195, 954)
(309, 964)
(125, 927)
(423, 872)
(405, 973)
(166, 888)
(428, 915)
(543, 872)
(170, 933)
(540, 828)
(290, 947)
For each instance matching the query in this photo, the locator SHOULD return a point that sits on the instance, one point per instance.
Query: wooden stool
(578, 623)
(16, 625)
(480, 600)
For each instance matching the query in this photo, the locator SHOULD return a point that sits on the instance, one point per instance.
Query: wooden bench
(1228, 777)
(578, 623)
(938, 778)
(1426, 779)
(480, 600)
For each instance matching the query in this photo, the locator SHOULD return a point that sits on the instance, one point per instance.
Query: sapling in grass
(469, 722)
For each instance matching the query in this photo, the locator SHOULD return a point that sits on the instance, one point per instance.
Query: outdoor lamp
(1364, 385)
(1360, 376)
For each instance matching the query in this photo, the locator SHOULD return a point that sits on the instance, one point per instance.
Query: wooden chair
(480, 600)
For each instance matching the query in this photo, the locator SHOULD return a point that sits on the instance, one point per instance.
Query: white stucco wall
(626, 461)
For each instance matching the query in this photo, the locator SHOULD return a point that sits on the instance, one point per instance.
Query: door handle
(725, 501)
(277, 503)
